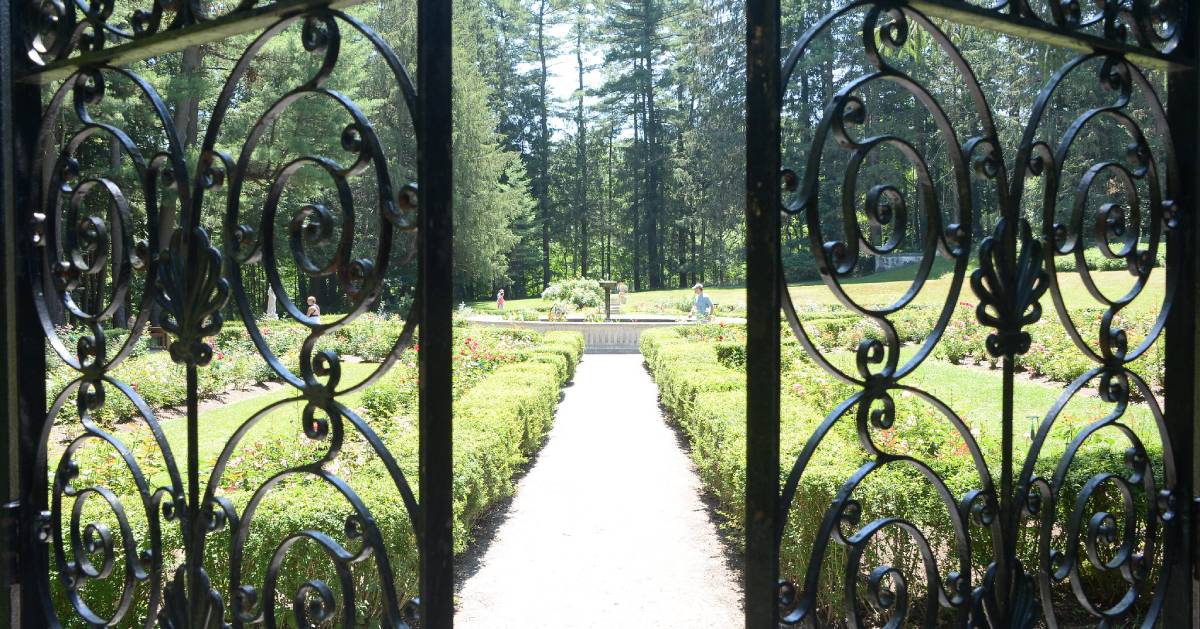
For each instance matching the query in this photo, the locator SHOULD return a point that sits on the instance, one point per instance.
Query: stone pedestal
(608, 286)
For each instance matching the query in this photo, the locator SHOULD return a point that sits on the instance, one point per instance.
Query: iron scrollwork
(1143, 23)
(191, 280)
(61, 29)
(1016, 271)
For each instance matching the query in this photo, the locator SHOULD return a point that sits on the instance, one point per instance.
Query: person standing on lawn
(313, 309)
(702, 306)
(500, 300)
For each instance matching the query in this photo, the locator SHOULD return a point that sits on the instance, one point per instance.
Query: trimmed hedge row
(707, 399)
(236, 363)
(499, 422)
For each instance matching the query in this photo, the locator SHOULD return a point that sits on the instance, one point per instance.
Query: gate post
(763, 302)
(435, 177)
(22, 346)
(1181, 380)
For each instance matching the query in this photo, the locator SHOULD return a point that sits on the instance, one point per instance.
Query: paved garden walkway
(608, 528)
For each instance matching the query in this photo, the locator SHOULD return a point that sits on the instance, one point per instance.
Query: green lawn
(974, 393)
(878, 289)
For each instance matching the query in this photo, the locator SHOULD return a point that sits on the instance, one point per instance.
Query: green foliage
(501, 419)
(708, 401)
(1052, 355)
(370, 337)
(1095, 260)
(562, 349)
(731, 355)
(580, 293)
(522, 314)
(385, 400)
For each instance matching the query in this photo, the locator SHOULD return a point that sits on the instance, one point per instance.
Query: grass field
(876, 290)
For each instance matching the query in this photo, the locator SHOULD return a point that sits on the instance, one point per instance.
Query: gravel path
(608, 528)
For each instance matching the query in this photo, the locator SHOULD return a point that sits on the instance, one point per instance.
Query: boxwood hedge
(706, 397)
(499, 422)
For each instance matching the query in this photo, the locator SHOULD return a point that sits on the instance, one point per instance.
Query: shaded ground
(608, 528)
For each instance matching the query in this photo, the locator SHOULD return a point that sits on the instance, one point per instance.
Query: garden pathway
(608, 528)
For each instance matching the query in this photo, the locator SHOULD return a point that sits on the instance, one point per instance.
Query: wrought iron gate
(54, 247)
(1146, 538)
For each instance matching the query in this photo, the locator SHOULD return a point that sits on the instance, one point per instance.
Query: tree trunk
(637, 210)
(581, 170)
(544, 144)
(187, 113)
(653, 184)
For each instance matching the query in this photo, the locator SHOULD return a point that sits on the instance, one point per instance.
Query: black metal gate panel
(1141, 538)
(188, 264)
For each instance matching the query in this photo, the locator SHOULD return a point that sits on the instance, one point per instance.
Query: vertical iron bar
(194, 537)
(435, 179)
(1008, 514)
(1007, 570)
(22, 346)
(762, 311)
(1181, 382)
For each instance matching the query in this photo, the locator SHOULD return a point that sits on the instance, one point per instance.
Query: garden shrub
(677, 304)
(1052, 355)
(500, 422)
(579, 293)
(522, 314)
(571, 342)
(370, 337)
(384, 400)
(731, 355)
(558, 360)
(708, 401)
(1097, 261)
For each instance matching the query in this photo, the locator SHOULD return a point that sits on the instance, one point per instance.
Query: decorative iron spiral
(61, 29)
(73, 247)
(191, 279)
(1015, 271)
(318, 383)
(65, 28)
(879, 369)
(1134, 536)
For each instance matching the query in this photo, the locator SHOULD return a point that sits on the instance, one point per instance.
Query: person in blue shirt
(702, 307)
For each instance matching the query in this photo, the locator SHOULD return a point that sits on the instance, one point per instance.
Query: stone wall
(884, 263)
(617, 337)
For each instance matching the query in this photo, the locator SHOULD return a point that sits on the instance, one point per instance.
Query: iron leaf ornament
(177, 612)
(1009, 290)
(193, 293)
